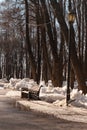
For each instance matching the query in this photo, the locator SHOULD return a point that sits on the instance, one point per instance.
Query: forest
(34, 41)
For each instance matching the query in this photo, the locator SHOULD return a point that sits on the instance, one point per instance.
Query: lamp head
(71, 16)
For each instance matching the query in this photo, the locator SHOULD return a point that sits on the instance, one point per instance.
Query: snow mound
(51, 94)
(17, 84)
(13, 93)
(4, 80)
(25, 83)
(80, 99)
(60, 103)
(77, 99)
(13, 82)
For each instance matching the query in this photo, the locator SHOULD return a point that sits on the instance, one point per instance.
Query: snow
(13, 93)
(55, 97)
(49, 93)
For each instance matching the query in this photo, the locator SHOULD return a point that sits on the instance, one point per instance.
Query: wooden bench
(31, 93)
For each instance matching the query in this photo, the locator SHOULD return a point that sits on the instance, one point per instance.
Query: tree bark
(32, 59)
(53, 44)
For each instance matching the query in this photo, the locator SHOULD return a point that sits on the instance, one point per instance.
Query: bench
(31, 93)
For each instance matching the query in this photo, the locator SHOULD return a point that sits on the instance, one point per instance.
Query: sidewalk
(68, 113)
(71, 113)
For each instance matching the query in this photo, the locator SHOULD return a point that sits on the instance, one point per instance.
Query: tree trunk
(38, 42)
(32, 59)
(53, 44)
(86, 41)
(46, 61)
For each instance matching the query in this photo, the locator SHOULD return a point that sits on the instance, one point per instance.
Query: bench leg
(24, 95)
(28, 95)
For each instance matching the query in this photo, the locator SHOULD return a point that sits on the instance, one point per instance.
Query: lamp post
(71, 18)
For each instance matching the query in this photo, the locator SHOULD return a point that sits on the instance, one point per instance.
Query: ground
(12, 118)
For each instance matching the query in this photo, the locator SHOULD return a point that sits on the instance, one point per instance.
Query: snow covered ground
(53, 99)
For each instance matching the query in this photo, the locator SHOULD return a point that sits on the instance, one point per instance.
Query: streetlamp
(71, 18)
